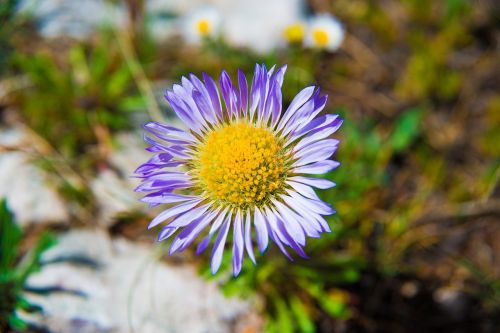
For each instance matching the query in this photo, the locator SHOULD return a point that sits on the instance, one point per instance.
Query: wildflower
(324, 32)
(240, 165)
(258, 25)
(294, 33)
(202, 23)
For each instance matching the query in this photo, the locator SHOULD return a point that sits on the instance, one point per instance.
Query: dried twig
(127, 49)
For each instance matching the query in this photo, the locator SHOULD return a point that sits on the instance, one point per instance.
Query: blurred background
(415, 245)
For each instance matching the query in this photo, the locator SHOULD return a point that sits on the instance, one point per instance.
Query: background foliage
(417, 195)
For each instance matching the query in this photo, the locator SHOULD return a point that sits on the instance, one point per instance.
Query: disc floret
(241, 165)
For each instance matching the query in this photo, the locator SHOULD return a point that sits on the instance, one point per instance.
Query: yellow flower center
(294, 33)
(240, 165)
(203, 27)
(320, 37)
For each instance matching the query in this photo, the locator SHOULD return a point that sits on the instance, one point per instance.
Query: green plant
(14, 271)
(77, 101)
(8, 21)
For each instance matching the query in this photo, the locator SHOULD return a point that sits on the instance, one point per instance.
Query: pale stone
(114, 195)
(132, 288)
(27, 188)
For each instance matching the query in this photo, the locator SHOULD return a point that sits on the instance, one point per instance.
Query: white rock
(115, 191)
(257, 24)
(26, 187)
(132, 289)
(114, 195)
(73, 18)
(129, 153)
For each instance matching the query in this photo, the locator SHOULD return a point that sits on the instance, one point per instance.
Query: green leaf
(332, 303)
(406, 129)
(79, 64)
(118, 81)
(99, 62)
(132, 103)
(333, 307)
(31, 263)
(454, 8)
(301, 314)
(23, 304)
(17, 323)
(10, 237)
(284, 319)
(270, 326)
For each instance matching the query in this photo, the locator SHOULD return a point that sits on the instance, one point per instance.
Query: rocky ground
(120, 286)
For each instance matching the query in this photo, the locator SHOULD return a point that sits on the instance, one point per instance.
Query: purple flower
(242, 165)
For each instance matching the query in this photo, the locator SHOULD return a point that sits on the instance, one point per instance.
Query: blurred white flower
(202, 23)
(294, 33)
(258, 24)
(324, 32)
